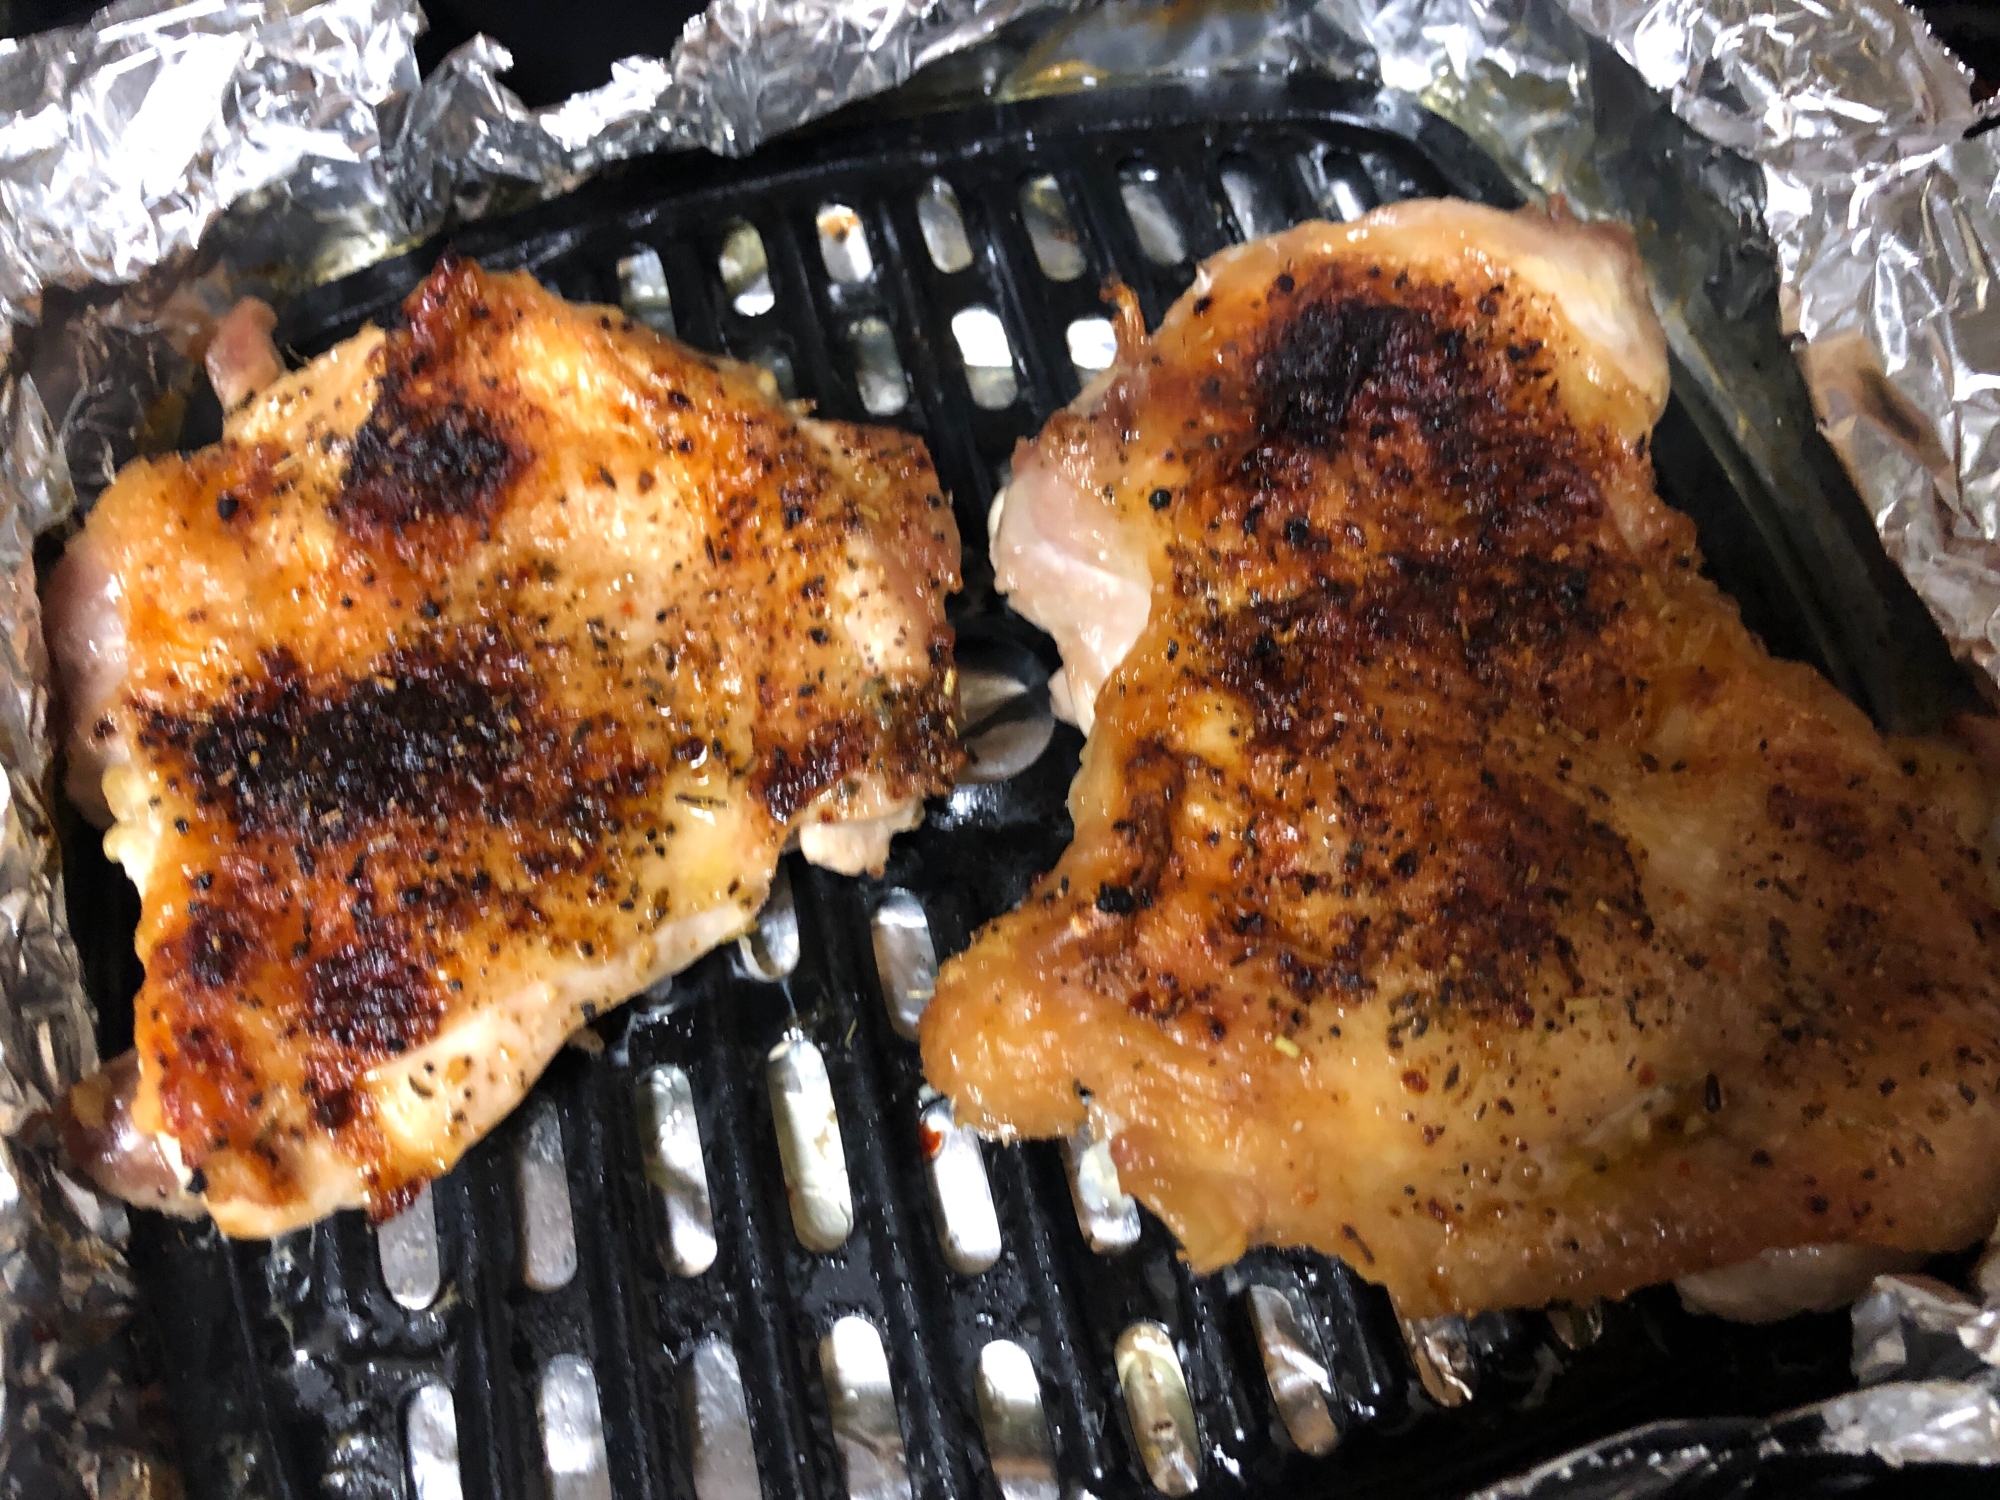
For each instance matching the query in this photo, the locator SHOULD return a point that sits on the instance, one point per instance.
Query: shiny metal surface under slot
(430, 1438)
(843, 244)
(746, 271)
(1016, 1430)
(809, 1144)
(1441, 1350)
(721, 1450)
(1108, 1216)
(1156, 1399)
(643, 290)
(1093, 345)
(866, 1430)
(878, 368)
(1058, 249)
(1295, 1368)
(1253, 202)
(1004, 731)
(906, 959)
(961, 1196)
(407, 1247)
(770, 950)
(670, 1146)
(573, 1431)
(943, 227)
(1159, 232)
(541, 1192)
(988, 356)
(1576, 1326)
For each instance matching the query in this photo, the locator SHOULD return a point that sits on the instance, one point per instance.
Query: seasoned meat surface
(474, 682)
(1457, 886)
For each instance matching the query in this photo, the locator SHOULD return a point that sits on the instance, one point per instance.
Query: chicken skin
(1457, 887)
(474, 682)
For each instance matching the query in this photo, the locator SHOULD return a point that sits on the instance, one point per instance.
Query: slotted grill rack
(737, 1248)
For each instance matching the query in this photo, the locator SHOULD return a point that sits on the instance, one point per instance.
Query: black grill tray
(291, 1369)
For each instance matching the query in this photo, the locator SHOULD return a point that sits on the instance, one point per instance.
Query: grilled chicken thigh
(472, 683)
(1457, 886)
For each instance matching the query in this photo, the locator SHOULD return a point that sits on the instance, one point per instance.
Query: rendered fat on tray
(1458, 888)
(472, 684)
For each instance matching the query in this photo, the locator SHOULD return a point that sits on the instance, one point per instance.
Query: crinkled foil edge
(164, 159)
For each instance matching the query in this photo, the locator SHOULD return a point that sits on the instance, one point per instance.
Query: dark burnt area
(907, 736)
(428, 730)
(790, 774)
(1308, 376)
(214, 945)
(416, 762)
(370, 1000)
(923, 754)
(1838, 828)
(1155, 779)
(1481, 562)
(329, 1092)
(450, 726)
(423, 458)
(429, 459)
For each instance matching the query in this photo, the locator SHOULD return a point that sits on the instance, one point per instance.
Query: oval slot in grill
(878, 369)
(1016, 1431)
(541, 1193)
(721, 1450)
(1295, 1369)
(1441, 1350)
(643, 290)
(430, 1439)
(1253, 202)
(1108, 1217)
(573, 1451)
(943, 227)
(746, 271)
(1145, 199)
(670, 1145)
(1156, 1400)
(855, 1368)
(809, 1145)
(1058, 248)
(407, 1247)
(843, 244)
(770, 950)
(961, 1196)
(905, 959)
(988, 356)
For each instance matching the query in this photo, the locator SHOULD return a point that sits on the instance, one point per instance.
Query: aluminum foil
(1798, 156)
(1928, 1361)
(1886, 224)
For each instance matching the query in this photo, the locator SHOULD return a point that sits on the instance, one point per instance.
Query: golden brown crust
(1457, 887)
(433, 675)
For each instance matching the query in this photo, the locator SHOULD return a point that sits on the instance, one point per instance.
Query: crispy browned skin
(472, 683)
(1458, 888)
